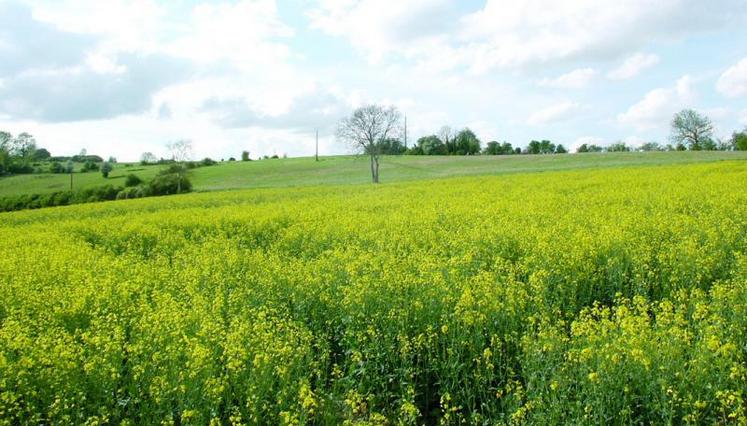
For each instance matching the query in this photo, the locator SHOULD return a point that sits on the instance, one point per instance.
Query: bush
(90, 166)
(138, 191)
(56, 167)
(132, 180)
(169, 183)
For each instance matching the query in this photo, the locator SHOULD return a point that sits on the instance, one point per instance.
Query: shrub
(132, 180)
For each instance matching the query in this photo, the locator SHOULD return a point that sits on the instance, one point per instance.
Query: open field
(604, 295)
(345, 170)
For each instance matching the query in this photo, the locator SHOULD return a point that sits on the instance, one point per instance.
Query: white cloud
(552, 113)
(657, 106)
(576, 79)
(633, 66)
(733, 82)
(378, 29)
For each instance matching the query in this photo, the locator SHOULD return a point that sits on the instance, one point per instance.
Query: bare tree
(691, 129)
(367, 128)
(181, 150)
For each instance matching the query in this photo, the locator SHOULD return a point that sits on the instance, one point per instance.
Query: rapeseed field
(609, 296)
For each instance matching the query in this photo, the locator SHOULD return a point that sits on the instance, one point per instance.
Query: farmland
(337, 170)
(607, 292)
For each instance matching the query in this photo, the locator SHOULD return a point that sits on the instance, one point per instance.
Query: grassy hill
(351, 170)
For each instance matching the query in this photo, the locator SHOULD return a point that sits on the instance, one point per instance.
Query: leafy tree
(392, 147)
(106, 167)
(447, 136)
(432, 145)
(69, 166)
(56, 167)
(366, 128)
(589, 148)
(540, 147)
(5, 140)
(618, 147)
(492, 148)
(132, 180)
(466, 143)
(691, 129)
(23, 147)
(90, 166)
(560, 149)
(739, 140)
(245, 156)
(41, 154)
(650, 146)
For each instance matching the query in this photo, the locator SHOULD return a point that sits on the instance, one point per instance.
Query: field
(345, 170)
(611, 290)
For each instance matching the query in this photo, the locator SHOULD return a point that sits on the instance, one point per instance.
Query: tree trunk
(374, 169)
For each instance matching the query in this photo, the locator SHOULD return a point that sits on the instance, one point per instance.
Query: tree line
(375, 130)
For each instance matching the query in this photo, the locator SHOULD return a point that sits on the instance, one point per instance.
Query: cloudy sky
(123, 77)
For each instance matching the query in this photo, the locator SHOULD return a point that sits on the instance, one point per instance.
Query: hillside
(352, 170)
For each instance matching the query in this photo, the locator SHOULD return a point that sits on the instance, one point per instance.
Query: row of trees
(374, 130)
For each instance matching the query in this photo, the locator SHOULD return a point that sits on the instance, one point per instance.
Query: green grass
(355, 170)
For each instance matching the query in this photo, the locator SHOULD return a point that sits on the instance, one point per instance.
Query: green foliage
(560, 149)
(540, 147)
(132, 180)
(432, 145)
(245, 156)
(691, 129)
(739, 140)
(106, 168)
(618, 147)
(90, 166)
(589, 148)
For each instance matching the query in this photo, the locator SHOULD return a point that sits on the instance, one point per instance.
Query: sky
(122, 77)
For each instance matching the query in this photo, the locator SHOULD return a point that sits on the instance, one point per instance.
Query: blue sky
(123, 77)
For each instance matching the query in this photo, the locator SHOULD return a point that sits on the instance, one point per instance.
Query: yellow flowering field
(598, 296)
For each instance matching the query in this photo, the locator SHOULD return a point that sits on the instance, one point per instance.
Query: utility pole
(316, 153)
(405, 131)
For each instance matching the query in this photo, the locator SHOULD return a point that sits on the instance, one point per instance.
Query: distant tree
(56, 167)
(517, 150)
(24, 146)
(112, 160)
(392, 146)
(41, 154)
(447, 136)
(5, 140)
(709, 144)
(618, 147)
(560, 149)
(132, 180)
(492, 148)
(148, 158)
(69, 166)
(245, 156)
(466, 143)
(432, 145)
(589, 148)
(691, 129)
(90, 166)
(233, 159)
(540, 147)
(739, 140)
(181, 151)
(83, 152)
(366, 128)
(650, 146)
(106, 168)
